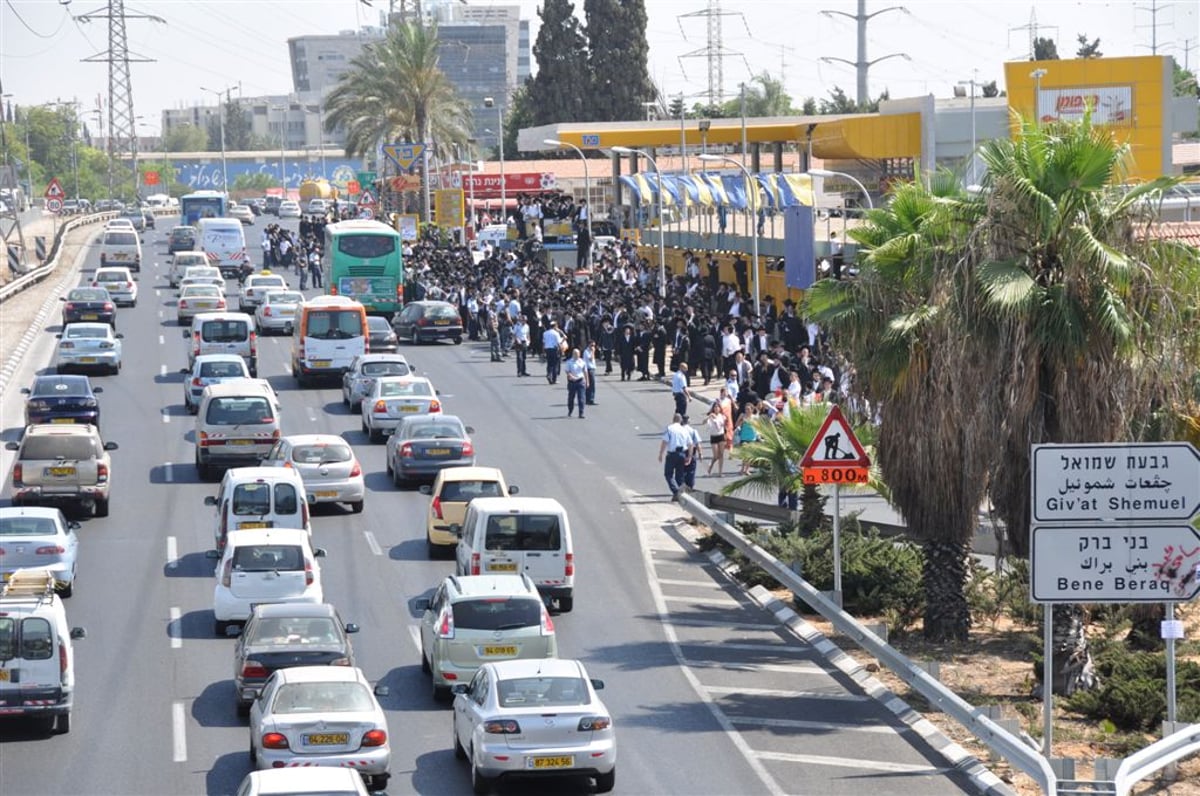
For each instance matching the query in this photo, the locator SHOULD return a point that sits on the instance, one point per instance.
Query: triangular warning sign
(366, 198)
(835, 444)
(55, 190)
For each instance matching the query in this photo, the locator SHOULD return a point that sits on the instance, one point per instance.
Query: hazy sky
(218, 43)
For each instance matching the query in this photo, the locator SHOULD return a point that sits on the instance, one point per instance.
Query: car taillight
(66, 344)
(227, 573)
(374, 738)
(474, 563)
(356, 470)
(254, 670)
(446, 624)
(70, 305)
(62, 660)
(108, 307)
(570, 565)
(309, 576)
(274, 740)
(435, 406)
(400, 294)
(221, 304)
(253, 343)
(333, 291)
(101, 473)
(547, 623)
(468, 449)
(129, 286)
(422, 321)
(183, 304)
(50, 550)
(304, 514)
(202, 439)
(18, 475)
(406, 451)
(590, 723)
(380, 407)
(341, 662)
(437, 507)
(197, 383)
(502, 727)
(267, 310)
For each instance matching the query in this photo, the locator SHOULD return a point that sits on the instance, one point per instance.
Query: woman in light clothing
(714, 424)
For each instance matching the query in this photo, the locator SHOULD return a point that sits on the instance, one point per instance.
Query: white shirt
(677, 437)
(551, 338)
(730, 344)
(679, 382)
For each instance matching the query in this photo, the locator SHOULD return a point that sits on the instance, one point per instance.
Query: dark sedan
(62, 399)
(381, 338)
(283, 635)
(181, 239)
(423, 446)
(89, 304)
(422, 321)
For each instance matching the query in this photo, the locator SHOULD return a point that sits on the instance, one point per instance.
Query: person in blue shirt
(673, 454)
(679, 389)
(589, 360)
(577, 379)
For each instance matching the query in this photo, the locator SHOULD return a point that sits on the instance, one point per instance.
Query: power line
(1033, 29)
(27, 27)
(714, 50)
(1153, 10)
(861, 65)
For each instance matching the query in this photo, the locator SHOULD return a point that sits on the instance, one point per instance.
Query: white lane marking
(415, 632)
(721, 690)
(179, 732)
(851, 762)
(168, 472)
(775, 649)
(166, 417)
(157, 293)
(372, 543)
(175, 630)
(160, 313)
(162, 370)
(826, 726)
(728, 602)
(162, 340)
(800, 667)
(312, 414)
(687, 622)
(172, 553)
(696, 584)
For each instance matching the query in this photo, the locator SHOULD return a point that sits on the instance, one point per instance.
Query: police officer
(694, 452)
(576, 372)
(672, 454)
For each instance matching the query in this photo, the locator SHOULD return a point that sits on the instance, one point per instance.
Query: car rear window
(441, 311)
(395, 389)
(88, 294)
(238, 411)
(523, 532)
(440, 430)
(322, 698)
(321, 454)
(222, 370)
(464, 491)
(8, 638)
(252, 499)
(37, 643)
(207, 291)
(385, 369)
(59, 388)
(542, 692)
(289, 631)
(269, 557)
(120, 239)
(497, 613)
(78, 331)
(232, 331)
(334, 324)
(27, 526)
(58, 448)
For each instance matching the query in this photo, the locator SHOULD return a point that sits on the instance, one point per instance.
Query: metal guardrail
(992, 735)
(749, 508)
(1157, 755)
(36, 275)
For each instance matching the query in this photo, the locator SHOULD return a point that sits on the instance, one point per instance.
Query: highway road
(709, 695)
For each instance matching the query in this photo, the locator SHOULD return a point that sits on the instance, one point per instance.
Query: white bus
(223, 244)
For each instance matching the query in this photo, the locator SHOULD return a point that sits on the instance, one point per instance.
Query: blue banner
(799, 263)
(207, 174)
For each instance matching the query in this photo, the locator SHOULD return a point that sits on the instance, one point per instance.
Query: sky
(220, 43)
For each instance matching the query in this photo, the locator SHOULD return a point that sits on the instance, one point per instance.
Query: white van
(523, 536)
(37, 663)
(223, 333)
(223, 243)
(180, 262)
(329, 333)
(258, 497)
(237, 424)
(121, 247)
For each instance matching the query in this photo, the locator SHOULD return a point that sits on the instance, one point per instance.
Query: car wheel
(431, 549)
(356, 506)
(605, 782)
(363, 424)
(441, 694)
(243, 708)
(480, 784)
(398, 480)
(220, 627)
(345, 399)
(62, 724)
(376, 436)
(379, 782)
(67, 591)
(459, 752)
(458, 340)
(101, 507)
(253, 755)
(204, 471)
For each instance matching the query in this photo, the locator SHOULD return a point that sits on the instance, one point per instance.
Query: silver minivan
(223, 333)
(236, 425)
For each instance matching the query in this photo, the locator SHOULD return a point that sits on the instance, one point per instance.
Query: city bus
(364, 262)
(202, 204)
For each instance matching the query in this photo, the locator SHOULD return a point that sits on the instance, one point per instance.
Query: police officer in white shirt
(576, 371)
(673, 454)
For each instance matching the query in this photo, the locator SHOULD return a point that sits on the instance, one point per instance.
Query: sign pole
(837, 543)
(1047, 677)
(1170, 639)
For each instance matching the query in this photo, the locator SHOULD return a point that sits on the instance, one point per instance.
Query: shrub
(1133, 689)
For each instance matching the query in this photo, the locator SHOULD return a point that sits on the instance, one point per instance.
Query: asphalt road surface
(708, 695)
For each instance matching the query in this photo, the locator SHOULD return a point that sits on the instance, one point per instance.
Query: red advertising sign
(150, 178)
(487, 186)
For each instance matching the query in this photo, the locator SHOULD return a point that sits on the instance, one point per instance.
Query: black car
(422, 321)
(89, 304)
(271, 205)
(62, 399)
(283, 635)
(148, 216)
(381, 338)
(181, 239)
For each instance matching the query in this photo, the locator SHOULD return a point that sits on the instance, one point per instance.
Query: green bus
(365, 263)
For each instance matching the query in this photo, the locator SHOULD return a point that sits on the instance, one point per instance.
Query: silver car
(321, 716)
(39, 538)
(195, 299)
(327, 466)
(424, 445)
(395, 397)
(277, 313)
(359, 380)
(87, 346)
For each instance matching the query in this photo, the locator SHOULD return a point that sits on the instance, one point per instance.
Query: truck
(317, 189)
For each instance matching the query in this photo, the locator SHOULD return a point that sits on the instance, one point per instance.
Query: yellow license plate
(87, 360)
(491, 652)
(320, 363)
(4, 675)
(240, 442)
(327, 493)
(203, 305)
(61, 420)
(409, 408)
(61, 470)
(562, 761)
(242, 525)
(502, 567)
(327, 739)
(90, 316)
(438, 451)
(441, 323)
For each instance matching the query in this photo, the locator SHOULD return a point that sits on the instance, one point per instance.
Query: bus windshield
(203, 204)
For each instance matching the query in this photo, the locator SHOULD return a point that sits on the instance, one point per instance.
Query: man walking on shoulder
(577, 379)
(679, 389)
(552, 341)
(672, 454)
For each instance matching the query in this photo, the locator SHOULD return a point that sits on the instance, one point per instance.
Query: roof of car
(29, 511)
(219, 358)
(307, 779)
(235, 387)
(299, 610)
(472, 474)
(534, 667)
(60, 430)
(315, 439)
(321, 674)
(89, 326)
(265, 473)
(382, 358)
(517, 504)
(252, 536)
(492, 585)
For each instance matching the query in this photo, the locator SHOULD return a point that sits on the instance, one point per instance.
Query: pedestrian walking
(714, 424)
(695, 453)
(577, 378)
(626, 350)
(672, 454)
(520, 335)
(314, 268)
(552, 341)
(679, 389)
(589, 360)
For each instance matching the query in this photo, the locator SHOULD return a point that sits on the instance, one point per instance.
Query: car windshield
(523, 532)
(269, 558)
(120, 239)
(404, 389)
(542, 692)
(321, 454)
(239, 411)
(334, 324)
(88, 294)
(232, 331)
(222, 370)
(377, 324)
(464, 491)
(497, 613)
(285, 298)
(438, 430)
(290, 631)
(385, 369)
(322, 698)
(27, 526)
(55, 447)
(59, 388)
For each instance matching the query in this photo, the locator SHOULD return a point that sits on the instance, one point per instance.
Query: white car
(317, 207)
(393, 398)
(289, 209)
(358, 381)
(327, 465)
(527, 717)
(119, 223)
(313, 716)
(242, 213)
(194, 299)
(277, 312)
(210, 369)
(88, 345)
(309, 779)
(39, 537)
(183, 260)
(256, 286)
(269, 565)
(119, 283)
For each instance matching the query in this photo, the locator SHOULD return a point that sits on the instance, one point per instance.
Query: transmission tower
(122, 123)
(1153, 10)
(1033, 29)
(861, 64)
(714, 49)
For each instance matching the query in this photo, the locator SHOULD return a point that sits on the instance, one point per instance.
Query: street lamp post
(471, 179)
(662, 239)
(972, 83)
(1037, 75)
(221, 118)
(587, 190)
(851, 177)
(750, 187)
(488, 102)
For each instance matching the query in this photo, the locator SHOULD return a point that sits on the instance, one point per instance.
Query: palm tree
(394, 91)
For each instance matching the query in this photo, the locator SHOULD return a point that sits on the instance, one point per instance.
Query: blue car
(62, 399)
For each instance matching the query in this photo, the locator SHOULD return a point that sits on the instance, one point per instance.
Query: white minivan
(520, 536)
(121, 247)
(258, 497)
(224, 244)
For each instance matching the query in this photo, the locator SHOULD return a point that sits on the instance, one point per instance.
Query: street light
(221, 117)
(1037, 75)
(972, 83)
(750, 186)
(471, 180)
(587, 189)
(851, 177)
(488, 102)
(662, 242)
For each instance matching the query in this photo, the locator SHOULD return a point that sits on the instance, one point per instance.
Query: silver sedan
(277, 313)
(393, 398)
(359, 380)
(327, 465)
(37, 537)
(86, 346)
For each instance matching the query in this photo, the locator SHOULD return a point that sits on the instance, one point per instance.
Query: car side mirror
(598, 685)
(97, 390)
(352, 628)
(312, 499)
(186, 334)
(514, 489)
(26, 391)
(470, 429)
(382, 690)
(425, 489)
(460, 688)
(456, 529)
(210, 500)
(58, 337)
(184, 371)
(111, 446)
(74, 525)
(78, 633)
(119, 335)
(212, 555)
(319, 552)
(233, 631)
(62, 298)
(12, 446)
(421, 603)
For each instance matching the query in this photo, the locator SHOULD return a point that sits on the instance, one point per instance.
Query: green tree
(765, 96)
(394, 90)
(676, 108)
(838, 102)
(618, 52)
(186, 138)
(562, 59)
(1044, 49)
(810, 107)
(1185, 82)
(1087, 49)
